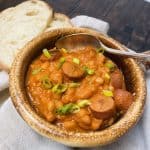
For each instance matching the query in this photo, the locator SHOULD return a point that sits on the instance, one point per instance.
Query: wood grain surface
(129, 19)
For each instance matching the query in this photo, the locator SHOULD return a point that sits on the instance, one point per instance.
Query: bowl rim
(76, 139)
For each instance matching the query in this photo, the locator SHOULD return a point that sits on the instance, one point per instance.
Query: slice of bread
(19, 25)
(59, 21)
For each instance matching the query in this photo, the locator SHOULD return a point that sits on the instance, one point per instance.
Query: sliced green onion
(64, 109)
(46, 53)
(59, 88)
(76, 61)
(100, 50)
(68, 108)
(64, 50)
(107, 76)
(36, 71)
(61, 62)
(88, 70)
(75, 108)
(107, 93)
(46, 83)
(83, 103)
(62, 59)
(74, 85)
(110, 65)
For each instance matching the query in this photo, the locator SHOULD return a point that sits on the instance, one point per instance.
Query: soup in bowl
(80, 98)
(80, 90)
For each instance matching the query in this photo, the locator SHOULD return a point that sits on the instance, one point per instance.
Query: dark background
(129, 19)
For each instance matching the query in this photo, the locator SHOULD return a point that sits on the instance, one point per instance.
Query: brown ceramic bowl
(135, 83)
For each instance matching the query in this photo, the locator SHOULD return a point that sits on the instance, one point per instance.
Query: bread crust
(59, 17)
(4, 65)
(52, 18)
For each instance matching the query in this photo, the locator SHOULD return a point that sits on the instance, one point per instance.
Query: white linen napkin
(90, 22)
(4, 79)
(15, 134)
(147, 1)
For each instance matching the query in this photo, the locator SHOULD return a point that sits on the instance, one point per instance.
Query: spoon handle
(125, 53)
(146, 61)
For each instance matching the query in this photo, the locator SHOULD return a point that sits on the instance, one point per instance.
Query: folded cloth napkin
(4, 78)
(90, 22)
(147, 1)
(15, 134)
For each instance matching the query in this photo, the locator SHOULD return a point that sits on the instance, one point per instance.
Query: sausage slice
(117, 80)
(85, 90)
(72, 70)
(102, 107)
(123, 99)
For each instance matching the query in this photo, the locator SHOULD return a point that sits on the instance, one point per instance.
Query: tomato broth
(79, 90)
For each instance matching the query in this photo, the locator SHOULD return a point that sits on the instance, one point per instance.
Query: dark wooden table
(129, 19)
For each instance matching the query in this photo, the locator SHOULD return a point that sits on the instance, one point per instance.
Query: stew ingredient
(80, 90)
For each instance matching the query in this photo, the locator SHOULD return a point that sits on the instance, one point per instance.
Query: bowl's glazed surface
(135, 83)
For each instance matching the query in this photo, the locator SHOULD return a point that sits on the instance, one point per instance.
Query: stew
(79, 90)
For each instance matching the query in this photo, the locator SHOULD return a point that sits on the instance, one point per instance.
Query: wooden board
(129, 19)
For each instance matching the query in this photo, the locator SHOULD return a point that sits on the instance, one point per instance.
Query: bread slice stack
(59, 21)
(22, 23)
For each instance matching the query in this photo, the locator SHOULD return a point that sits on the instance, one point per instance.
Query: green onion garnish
(75, 108)
(72, 108)
(76, 61)
(88, 70)
(107, 76)
(83, 103)
(64, 50)
(46, 83)
(100, 50)
(68, 108)
(46, 53)
(74, 85)
(59, 88)
(109, 64)
(61, 62)
(36, 71)
(107, 93)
